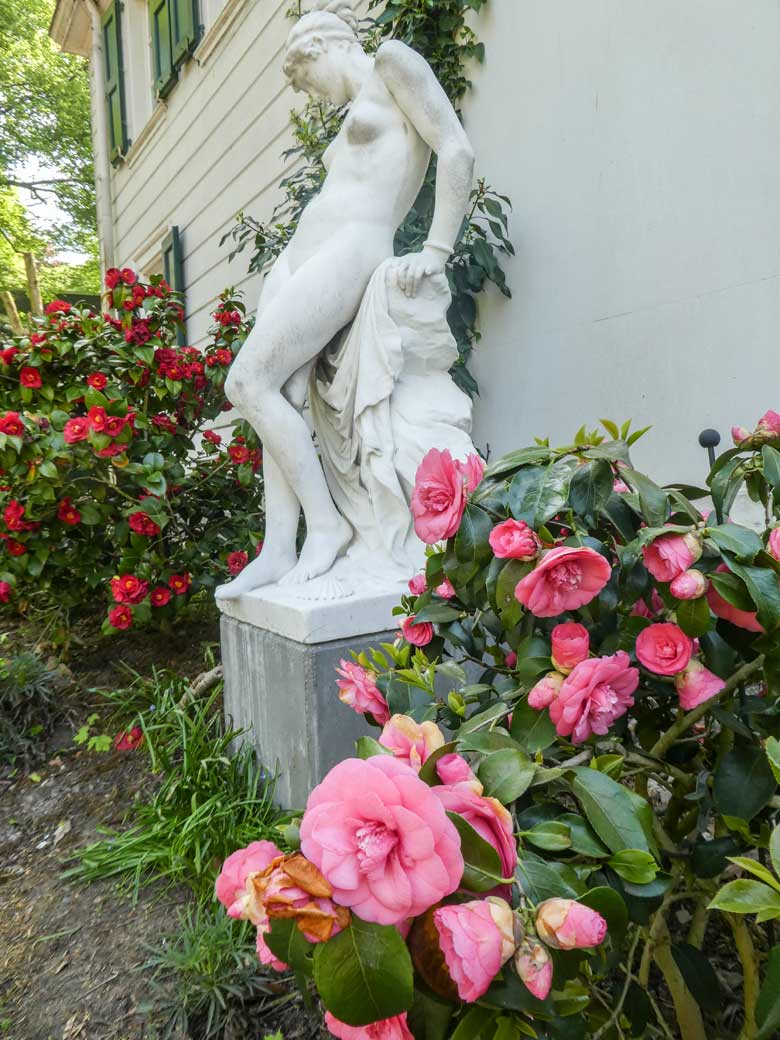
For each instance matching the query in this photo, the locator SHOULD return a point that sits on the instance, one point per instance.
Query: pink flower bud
(696, 685)
(671, 554)
(411, 741)
(546, 690)
(770, 423)
(454, 769)
(773, 546)
(570, 645)
(514, 539)
(417, 585)
(534, 966)
(565, 924)
(446, 590)
(476, 938)
(689, 585)
(739, 434)
(416, 633)
(510, 659)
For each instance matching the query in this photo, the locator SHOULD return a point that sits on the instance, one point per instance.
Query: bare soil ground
(70, 954)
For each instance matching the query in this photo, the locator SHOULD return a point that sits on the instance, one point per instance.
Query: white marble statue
(374, 413)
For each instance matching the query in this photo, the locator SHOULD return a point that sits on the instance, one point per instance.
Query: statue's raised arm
(397, 114)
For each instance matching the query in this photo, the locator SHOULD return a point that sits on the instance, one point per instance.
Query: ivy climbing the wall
(440, 33)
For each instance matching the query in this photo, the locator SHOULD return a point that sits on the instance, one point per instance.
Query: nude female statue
(375, 167)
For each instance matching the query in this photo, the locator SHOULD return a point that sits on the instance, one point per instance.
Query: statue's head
(317, 46)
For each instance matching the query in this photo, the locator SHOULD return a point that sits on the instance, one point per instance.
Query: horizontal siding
(217, 151)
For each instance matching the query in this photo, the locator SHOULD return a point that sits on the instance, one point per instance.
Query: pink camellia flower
(412, 742)
(264, 953)
(773, 545)
(446, 590)
(739, 434)
(769, 423)
(489, 818)
(514, 539)
(417, 634)
(664, 648)
(454, 769)
(689, 585)
(566, 578)
(230, 888)
(546, 690)
(394, 1028)
(720, 607)
(382, 839)
(565, 924)
(641, 609)
(597, 692)
(359, 691)
(417, 585)
(696, 685)
(535, 967)
(439, 496)
(476, 938)
(570, 645)
(671, 554)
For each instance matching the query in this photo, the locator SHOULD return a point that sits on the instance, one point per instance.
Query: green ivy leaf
(364, 974)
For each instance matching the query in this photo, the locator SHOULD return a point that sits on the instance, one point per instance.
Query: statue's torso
(375, 168)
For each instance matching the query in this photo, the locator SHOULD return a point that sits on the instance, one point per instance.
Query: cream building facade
(639, 143)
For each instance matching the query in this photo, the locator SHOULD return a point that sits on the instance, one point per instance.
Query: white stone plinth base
(283, 691)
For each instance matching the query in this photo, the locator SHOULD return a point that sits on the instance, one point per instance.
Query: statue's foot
(266, 569)
(320, 551)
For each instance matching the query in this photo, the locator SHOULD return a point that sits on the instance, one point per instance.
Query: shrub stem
(752, 984)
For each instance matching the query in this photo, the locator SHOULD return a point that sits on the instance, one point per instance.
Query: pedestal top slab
(301, 614)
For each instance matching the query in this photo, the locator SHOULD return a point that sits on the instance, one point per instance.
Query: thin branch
(615, 1016)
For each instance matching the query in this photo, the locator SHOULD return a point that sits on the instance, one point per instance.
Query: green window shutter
(164, 71)
(173, 271)
(185, 28)
(114, 82)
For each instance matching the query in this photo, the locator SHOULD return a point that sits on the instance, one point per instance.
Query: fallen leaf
(63, 828)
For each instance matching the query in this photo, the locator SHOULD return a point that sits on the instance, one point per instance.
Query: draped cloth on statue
(380, 397)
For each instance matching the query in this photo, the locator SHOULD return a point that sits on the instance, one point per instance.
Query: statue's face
(322, 75)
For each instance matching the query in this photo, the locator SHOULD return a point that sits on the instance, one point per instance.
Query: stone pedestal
(279, 657)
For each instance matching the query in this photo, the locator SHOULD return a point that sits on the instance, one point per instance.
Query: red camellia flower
(97, 418)
(7, 355)
(131, 739)
(160, 596)
(30, 377)
(36, 339)
(58, 307)
(16, 548)
(76, 429)
(128, 589)
(13, 514)
(68, 513)
(142, 523)
(97, 381)
(236, 562)
(164, 422)
(128, 276)
(113, 277)
(114, 424)
(180, 583)
(239, 453)
(120, 617)
(213, 436)
(11, 424)
(111, 450)
(5, 591)
(224, 356)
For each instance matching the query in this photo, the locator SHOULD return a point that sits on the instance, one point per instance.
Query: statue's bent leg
(318, 300)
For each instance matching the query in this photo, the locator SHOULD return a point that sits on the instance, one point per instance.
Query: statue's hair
(327, 21)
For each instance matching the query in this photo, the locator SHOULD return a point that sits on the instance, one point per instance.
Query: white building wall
(640, 144)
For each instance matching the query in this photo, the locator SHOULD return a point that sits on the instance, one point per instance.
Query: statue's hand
(413, 267)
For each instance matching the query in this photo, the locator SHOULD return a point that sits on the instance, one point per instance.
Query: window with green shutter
(114, 82)
(175, 34)
(173, 272)
(165, 74)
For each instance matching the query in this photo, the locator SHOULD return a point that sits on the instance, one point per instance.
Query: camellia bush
(567, 826)
(115, 489)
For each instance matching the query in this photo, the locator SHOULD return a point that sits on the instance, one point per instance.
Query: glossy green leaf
(287, 942)
(364, 973)
(515, 459)
(620, 818)
(740, 541)
(583, 839)
(764, 589)
(506, 774)
(591, 487)
(746, 897)
(694, 617)
(743, 782)
(471, 541)
(551, 835)
(537, 493)
(634, 865)
(699, 975)
(533, 729)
